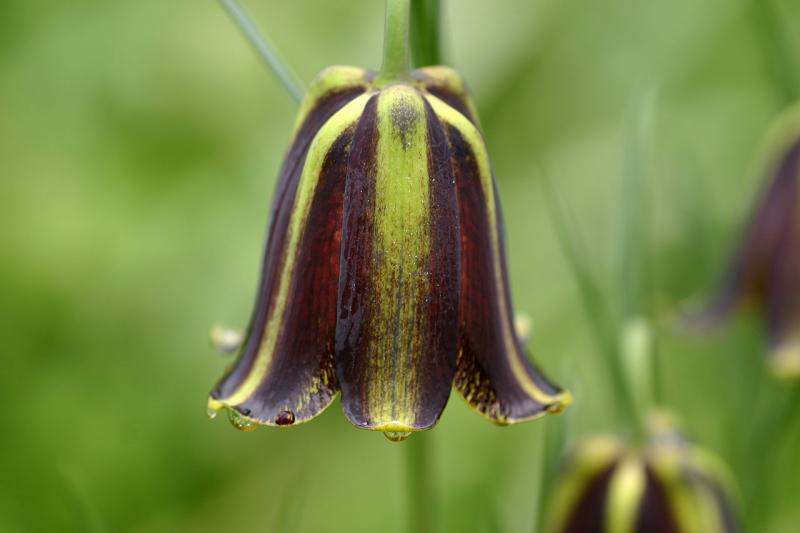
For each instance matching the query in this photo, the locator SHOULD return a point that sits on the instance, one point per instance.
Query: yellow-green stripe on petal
(397, 335)
(625, 494)
(402, 235)
(275, 330)
(319, 148)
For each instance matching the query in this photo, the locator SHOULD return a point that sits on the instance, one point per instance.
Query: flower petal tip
(561, 403)
(396, 431)
(242, 418)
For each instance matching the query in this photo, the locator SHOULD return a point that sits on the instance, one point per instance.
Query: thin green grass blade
(552, 443)
(594, 302)
(265, 49)
(632, 257)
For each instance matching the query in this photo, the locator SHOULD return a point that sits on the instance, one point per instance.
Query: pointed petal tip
(239, 420)
(559, 403)
(245, 420)
(562, 401)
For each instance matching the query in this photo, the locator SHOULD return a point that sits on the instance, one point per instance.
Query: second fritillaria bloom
(766, 267)
(670, 486)
(384, 273)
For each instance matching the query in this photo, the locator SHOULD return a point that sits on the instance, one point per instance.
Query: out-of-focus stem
(595, 307)
(420, 493)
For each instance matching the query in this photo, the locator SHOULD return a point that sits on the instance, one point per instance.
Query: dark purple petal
(285, 372)
(493, 372)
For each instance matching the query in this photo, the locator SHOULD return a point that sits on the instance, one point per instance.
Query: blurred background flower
(667, 486)
(765, 270)
(139, 144)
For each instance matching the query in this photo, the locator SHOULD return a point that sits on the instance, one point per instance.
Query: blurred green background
(139, 143)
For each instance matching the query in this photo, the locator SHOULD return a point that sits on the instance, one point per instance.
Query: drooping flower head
(765, 269)
(671, 486)
(384, 273)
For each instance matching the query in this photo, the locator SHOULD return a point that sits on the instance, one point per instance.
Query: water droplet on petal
(212, 413)
(285, 418)
(240, 422)
(397, 436)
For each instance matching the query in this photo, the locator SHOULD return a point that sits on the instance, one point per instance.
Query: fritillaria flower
(669, 487)
(765, 269)
(384, 275)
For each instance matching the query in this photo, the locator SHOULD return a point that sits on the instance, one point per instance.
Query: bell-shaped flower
(670, 486)
(384, 274)
(765, 269)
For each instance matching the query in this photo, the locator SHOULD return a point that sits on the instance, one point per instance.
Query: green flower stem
(396, 50)
(264, 48)
(426, 20)
(419, 484)
(420, 493)
(551, 444)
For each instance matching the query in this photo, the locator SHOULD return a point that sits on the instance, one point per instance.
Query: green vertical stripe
(402, 237)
